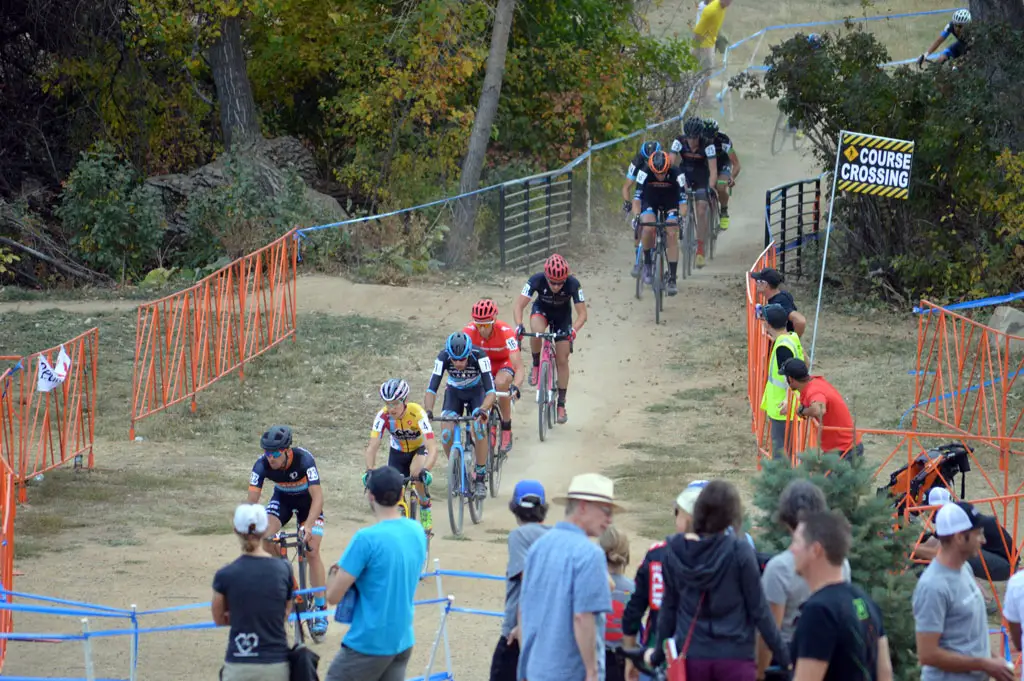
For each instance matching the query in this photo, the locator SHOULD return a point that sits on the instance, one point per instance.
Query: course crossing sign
(879, 166)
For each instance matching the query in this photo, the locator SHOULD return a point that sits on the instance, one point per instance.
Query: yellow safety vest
(775, 388)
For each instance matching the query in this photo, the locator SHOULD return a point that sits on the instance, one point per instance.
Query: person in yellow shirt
(706, 33)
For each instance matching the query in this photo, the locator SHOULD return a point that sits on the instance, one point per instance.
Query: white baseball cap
(939, 496)
(249, 515)
(956, 517)
(688, 497)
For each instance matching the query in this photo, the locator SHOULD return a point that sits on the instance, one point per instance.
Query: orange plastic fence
(758, 347)
(43, 430)
(189, 340)
(7, 511)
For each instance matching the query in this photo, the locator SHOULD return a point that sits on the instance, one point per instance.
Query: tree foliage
(955, 237)
(878, 556)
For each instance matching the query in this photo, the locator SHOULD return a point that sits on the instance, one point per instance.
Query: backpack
(935, 468)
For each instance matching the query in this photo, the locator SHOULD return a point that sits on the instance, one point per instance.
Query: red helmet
(556, 268)
(485, 310)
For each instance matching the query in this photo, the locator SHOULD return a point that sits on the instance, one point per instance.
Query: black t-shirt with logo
(840, 625)
(256, 590)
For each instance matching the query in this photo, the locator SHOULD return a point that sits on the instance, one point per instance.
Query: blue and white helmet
(961, 17)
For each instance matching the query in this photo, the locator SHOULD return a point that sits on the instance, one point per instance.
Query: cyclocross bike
(688, 238)
(638, 257)
(409, 506)
(714, 221)
(547, 383)
(495, 456)
(304, 602)
(460, 474)
(783, 133)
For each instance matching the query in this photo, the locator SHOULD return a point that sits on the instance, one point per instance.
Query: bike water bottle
(345, 609)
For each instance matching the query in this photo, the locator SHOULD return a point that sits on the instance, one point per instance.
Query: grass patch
(699, 394)
(208, 529)
(662, 408)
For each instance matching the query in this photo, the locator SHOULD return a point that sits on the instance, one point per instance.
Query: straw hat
(591, 487)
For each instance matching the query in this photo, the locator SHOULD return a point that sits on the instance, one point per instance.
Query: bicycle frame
(292, 540)
(458, 466)
(547, 382)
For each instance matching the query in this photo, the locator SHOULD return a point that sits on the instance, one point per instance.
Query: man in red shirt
(819, 400)
(498, 340)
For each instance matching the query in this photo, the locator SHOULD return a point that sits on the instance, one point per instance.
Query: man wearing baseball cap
(949, 608)
(785, 346)
(819, 400)
(529, 506)
(768, 282)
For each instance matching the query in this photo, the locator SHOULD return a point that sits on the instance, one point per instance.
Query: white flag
(49, 377)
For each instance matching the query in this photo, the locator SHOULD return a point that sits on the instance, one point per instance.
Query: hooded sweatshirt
(723, 568)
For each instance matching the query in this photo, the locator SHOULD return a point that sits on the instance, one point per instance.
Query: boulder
(1008, 320)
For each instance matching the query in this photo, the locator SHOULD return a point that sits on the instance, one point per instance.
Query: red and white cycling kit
(499, 346)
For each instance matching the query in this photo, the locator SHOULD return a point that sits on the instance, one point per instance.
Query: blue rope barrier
(14, 636)
(50, 678)
(43, 610)
(471, 575)
(46, 599)
(957, 393)
(474, 611)
(980, 302)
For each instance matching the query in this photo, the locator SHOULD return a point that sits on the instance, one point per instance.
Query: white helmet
(393, 390)
(962, 16)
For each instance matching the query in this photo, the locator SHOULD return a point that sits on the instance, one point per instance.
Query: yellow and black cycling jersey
(409, 432)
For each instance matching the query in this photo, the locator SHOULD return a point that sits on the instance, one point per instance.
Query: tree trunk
(995, 11)
(465, 210)
(238, 121)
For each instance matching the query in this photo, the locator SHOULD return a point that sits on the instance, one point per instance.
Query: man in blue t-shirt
(382, 564)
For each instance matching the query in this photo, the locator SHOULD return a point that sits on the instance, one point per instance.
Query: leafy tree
(946, 240)
(878, 555)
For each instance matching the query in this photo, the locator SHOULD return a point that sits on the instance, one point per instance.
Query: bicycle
(547, 382)
(460, 480)
(409, 506)
(636, 656)
(782, 132)
(304, 603)
(688, 239)
(495, 455)
(659, 278)
(714, 221)
(638, 257)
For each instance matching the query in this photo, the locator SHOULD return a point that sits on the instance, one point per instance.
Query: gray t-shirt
(949, 602)
(519, 542)
(783, 586)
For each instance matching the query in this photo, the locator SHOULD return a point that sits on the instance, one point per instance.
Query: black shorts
(402, 461)
(462, 401)
(559, 318)
(282, 506)
(671, 212)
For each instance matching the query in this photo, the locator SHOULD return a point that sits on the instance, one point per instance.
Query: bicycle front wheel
(779, 136)
(543, 395)
(659, 281)
(552, 409)
(494, 454)
(714, 224)
(640, 275)
(456, 496)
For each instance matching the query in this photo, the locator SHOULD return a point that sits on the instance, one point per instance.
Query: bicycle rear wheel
(495, 457)
(780, 134)
(456, 499)
(542, 402)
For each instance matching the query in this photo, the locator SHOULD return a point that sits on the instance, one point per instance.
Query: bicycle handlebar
(546, 335)
(455, 419)
(282, 538)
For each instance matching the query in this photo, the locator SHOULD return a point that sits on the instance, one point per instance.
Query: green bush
(878, 554)
(114, 222)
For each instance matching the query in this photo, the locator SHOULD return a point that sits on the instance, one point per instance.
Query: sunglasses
(274, 455)
(483, 325)
(556, 284)
(607, 510)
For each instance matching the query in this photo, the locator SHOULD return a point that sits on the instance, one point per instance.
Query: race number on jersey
(254, 479)
(579, 292)
(641, 176)
(710, 151)
(438, 367)
(485, 365)
(511, 344)
(526, 292)
(677, 146)
(311, 474)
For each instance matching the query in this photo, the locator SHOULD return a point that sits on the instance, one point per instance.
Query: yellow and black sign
(879, 166)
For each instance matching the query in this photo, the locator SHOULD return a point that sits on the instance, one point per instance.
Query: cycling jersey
(647, 596)
(723, 145)
(571, 291)
(694, 163)
(408, 432)
(296, 477)
(476, 373)
(959, 46)
(665, 194)
(638, 163)
(501, 343)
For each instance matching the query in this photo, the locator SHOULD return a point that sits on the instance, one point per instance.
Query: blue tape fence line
(955, 393)
(972, 304)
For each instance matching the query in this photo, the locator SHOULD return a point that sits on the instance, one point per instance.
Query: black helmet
(658, 163)
(649, 147)
(710, 126)
(458, 345)
(276, 439)
(694, 127)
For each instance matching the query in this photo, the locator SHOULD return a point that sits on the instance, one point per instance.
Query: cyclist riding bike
(695, 154)
(297, 492)
(956, 28)
(413, 447)
(555, 289)
(660, 188)
(498, 340)
(470, 390)
(728, 168)
(638, 163)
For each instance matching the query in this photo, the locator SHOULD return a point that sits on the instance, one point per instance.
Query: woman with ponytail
(615, 545)
(253, 595)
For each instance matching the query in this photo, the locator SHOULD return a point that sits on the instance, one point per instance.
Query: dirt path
(616, 372)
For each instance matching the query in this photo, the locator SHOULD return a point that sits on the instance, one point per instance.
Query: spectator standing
(529, 507)
(1013, 609)
(649, 585)
(705, 31)
(253, 595)
(949, 609)
(840, 636)
(819, 400)
(785, 346)
(615, 545)
(713, 600)
(565, 592)
(382, 562)
(784, 588)
(768, 282)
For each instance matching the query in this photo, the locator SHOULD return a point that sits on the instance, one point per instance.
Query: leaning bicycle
(461, 489)
(304, 602)
(547, 382)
